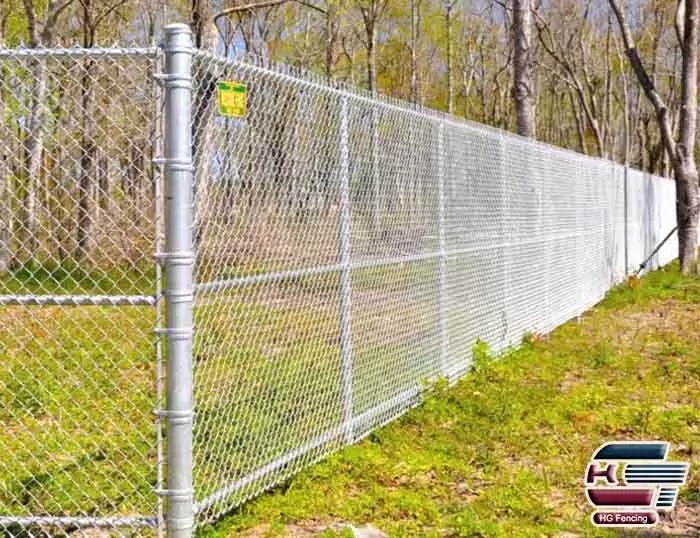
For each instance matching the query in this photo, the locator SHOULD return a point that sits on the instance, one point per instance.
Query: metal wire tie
(181, 333)
(173, 81)
(175, 416)
(184, 165)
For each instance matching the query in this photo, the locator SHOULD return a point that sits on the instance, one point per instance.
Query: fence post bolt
(179, 260)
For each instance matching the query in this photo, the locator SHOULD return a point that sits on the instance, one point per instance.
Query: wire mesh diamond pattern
(349, 250)
(78, 290)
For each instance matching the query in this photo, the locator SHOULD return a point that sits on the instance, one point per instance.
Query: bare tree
(332, 30)
(415, 31)
(449, 6)
(469, 38)
(5, 179)
(372, 12)
(572, 54)
(680, 150)
(42, 31)
(92, 18)
(522, 68)
(327, 8)
(5, 159)
(202, 24)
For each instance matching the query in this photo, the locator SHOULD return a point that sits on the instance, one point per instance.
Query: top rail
(389, 104)
(77, 52)
(78, 300)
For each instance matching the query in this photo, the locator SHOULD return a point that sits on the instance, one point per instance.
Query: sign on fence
(233, 99)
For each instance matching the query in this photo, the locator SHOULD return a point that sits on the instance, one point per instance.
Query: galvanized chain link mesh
(78, 291)
(349, 249)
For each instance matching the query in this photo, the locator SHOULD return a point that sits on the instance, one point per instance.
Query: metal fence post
(376, 202)
(345, 312)
(179, 261)
(505, 233)
(441, 247)
(625, 197)
(158, 243)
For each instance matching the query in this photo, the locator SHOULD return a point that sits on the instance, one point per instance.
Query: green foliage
(482, 355)
(602, 355)
(15, 27)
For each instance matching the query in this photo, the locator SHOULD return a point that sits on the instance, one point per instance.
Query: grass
(77, 383)
(72, 279)
(500, 454)
(268, 369)
(503, 452)
(76, 400)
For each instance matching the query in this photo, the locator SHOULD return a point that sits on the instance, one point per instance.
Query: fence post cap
(177, 28)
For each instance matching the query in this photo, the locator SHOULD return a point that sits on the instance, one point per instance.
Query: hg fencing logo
(649, 483)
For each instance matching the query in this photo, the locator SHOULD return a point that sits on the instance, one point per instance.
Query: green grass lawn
(500, 454)
(503, 452)
(78, 383)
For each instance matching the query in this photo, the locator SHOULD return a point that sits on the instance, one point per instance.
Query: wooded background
(447, 54)
(450, 55)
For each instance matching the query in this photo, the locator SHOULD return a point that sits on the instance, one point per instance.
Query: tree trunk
(448, 53)
(414, 51)
(103, 191)
(681, 151)
(5, 215)
(522, 68)
(371, 59)
(34, 147)
(87, 167)
(331, 36)
(687, 211)
(373, 188)
(685, 169)
(202, 24)
(5, 186)
(63, 200)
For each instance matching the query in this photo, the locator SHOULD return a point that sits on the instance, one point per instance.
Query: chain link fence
(326, 255)
(78, 229)
(350, 248)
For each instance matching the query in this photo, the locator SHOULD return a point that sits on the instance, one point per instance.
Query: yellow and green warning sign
(233, 99)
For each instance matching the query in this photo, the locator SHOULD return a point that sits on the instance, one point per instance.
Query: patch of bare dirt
(291, 531)
(570, 380)
(683, 521)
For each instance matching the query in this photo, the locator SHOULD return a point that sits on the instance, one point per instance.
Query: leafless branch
(679, 22)
(644, 80)
(263, 4)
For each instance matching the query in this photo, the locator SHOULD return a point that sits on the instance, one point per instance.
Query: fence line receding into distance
(196, 306)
